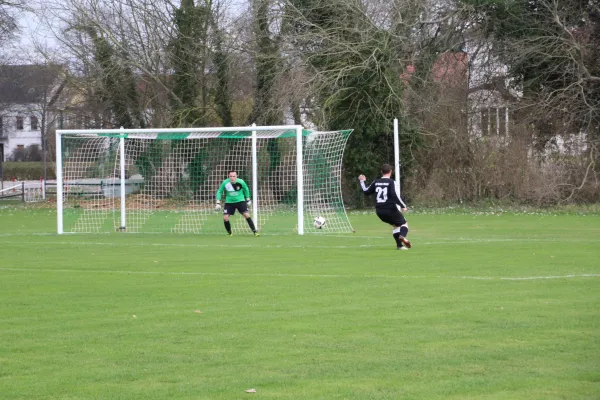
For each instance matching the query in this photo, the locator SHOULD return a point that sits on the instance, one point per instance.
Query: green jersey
(234, 192)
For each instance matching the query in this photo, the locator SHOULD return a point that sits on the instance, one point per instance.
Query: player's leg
(227, 211)
(251, 224)
(246, 214)
(396, 235)
(403, 233)
(400, 231)
(388, 217)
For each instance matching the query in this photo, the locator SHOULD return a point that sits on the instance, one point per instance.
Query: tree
(189, 58)
(268, 68)
(8, 15)
(121, 43)
(118, 83)
(223, 76)
(354, 61)
(551, 49)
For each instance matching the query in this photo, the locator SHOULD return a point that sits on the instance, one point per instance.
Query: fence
(27, 191)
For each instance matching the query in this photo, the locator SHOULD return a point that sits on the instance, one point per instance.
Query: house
(479, 84)
(491, 94)
(28, 94)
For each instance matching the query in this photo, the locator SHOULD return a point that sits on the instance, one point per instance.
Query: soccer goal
(165, 180)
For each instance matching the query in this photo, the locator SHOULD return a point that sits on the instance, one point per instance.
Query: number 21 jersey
(385, 193)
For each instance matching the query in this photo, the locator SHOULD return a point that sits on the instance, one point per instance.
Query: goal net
(165, 180)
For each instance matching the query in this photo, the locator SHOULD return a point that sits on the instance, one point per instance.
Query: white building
(491, 95)
(27, 96)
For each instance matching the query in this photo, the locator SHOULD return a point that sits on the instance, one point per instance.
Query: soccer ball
(319, 222)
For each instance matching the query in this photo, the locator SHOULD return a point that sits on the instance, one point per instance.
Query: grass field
(485, 306)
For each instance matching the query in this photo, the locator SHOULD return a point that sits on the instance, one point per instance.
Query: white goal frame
(120, 183)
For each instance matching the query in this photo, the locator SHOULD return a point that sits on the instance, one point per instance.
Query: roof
(22, 84)
(450, 68)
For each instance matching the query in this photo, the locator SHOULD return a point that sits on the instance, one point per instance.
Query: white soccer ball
(319, 222)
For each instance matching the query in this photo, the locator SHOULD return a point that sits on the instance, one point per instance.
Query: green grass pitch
(485, 306)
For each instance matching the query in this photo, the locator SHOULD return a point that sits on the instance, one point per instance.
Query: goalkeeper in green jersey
(237, 197)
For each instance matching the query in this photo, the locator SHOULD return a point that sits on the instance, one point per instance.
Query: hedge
(25, 170)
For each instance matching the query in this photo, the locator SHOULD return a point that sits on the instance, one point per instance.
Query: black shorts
(230, 208)
(391, 216)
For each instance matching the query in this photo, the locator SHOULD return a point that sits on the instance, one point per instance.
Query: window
(502, 121)
(485, 122)
(34, 123)
(494, 121)
(493, 114)
(20, 123)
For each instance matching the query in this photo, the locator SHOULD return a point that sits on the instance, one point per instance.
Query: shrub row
(26, 170)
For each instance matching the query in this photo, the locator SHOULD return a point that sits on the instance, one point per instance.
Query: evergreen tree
(222, 90)
(118, 83)
(359, 85)
(268, 65)
(189, 51)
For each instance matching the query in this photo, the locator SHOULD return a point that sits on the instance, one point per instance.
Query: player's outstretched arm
(366, 189)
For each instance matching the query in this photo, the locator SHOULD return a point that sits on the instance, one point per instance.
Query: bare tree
(551, 50)
(438, 65)
(9, 10)
(135, 34)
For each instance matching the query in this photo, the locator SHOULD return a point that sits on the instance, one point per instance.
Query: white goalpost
(397, 157)
(165, 180)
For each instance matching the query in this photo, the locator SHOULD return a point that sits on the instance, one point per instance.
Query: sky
(21, 49)
(34, 33)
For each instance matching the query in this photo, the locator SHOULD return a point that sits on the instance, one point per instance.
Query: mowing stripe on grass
(487, 278)
(443, 241)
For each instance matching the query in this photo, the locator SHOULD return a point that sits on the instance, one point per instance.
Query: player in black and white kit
(386, 205)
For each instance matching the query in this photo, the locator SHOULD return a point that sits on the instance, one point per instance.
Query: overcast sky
(34, 33)
(21, 49)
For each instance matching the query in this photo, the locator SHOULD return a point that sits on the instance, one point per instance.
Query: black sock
(227, 226)
(251, 224)
(397, 239)
(404, 231)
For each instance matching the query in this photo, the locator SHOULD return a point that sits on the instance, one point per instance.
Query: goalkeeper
(237, 197)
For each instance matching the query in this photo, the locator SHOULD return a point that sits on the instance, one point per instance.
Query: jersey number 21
(382, 194)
